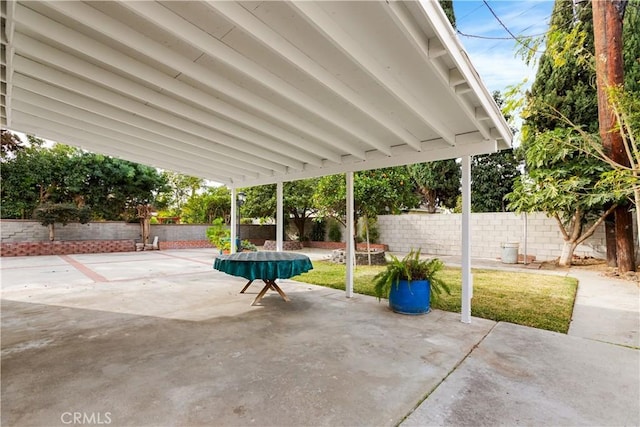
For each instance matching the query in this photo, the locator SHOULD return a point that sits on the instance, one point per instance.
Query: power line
(475, 36)
(499, 20)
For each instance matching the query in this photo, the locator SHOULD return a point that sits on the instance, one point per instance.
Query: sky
(495, 59)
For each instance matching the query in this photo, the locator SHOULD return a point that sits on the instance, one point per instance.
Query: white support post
(467, 279)
(234, 219)
(350, 250)
(279, 215)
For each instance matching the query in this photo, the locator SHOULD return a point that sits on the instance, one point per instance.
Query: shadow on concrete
(318, 360)
(162, 339)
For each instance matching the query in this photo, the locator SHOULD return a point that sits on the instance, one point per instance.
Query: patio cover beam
(41, 25)
(315, 15)
(156, 118)
(269, 39)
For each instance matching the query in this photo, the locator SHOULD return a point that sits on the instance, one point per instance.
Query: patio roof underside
(246, 93)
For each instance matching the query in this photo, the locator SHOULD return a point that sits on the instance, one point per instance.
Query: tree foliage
(447, 6)
(493, 175)
(48, 214)
(297, 202)
(565, 80)
(63, 174)
(438, 183)
(378, 191)
(204, 208)
(631, 48)
(492, 178)
(10, 144)
(180, 188)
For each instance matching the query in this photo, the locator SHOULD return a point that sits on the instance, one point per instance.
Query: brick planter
(287, 245)
(66, 247)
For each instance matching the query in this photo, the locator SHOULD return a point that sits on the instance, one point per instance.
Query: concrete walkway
(606, 310)
(159, 338)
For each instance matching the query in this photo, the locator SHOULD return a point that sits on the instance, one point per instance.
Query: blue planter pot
(410, 299)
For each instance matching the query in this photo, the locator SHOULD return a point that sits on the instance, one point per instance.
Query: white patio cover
(247, 93)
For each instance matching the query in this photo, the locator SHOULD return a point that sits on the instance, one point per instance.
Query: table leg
(270, 284)
(275, 287)
(261, 294)
(246, 286)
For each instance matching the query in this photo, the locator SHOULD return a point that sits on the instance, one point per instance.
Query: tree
(631, 48)
(51, 213)
(34, 176)
(492, 178)
(115, 187)
(63, 174)
(561, 179)
(10, 144)
(492, 175)
(437, 182)
(377, 191)
(297, 203)
(203, 208)
(622, 181)
(447, 6)
(607, 24)
(180, 188)
(560, 182)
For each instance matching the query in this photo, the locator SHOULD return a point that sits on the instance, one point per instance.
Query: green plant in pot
(410, 283)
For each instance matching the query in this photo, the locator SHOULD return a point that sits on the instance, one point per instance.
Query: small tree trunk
(300, 225)
(430, 200)
(145, 229)
(610, 238)
(366, 222)
(567, 253)
(51, 232)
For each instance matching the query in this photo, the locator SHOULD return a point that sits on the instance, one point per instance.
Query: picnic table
(267, 266)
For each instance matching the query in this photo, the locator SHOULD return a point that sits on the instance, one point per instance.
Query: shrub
(318, 232)
(335, 234)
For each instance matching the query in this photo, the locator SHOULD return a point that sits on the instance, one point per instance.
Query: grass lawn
(538, 300)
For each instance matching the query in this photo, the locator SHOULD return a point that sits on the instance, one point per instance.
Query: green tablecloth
(263, 265)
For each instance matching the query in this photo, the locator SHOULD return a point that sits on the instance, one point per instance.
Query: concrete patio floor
(160, 338)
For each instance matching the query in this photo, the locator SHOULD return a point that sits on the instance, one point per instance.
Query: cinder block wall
(32, 231)
(440, 234)
(435, 234)
(24, 237)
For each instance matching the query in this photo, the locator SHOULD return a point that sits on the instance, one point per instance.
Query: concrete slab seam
(466, 356)
(96, 277)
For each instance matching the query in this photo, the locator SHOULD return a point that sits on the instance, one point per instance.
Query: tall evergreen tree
(447, 6)
(631, 47)
(565, 80)
(492, 175)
